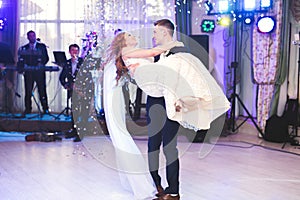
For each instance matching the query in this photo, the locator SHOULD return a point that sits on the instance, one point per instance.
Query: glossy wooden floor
(239, 166)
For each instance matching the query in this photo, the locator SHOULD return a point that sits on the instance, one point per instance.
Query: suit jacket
(66, 77)
(36, 57)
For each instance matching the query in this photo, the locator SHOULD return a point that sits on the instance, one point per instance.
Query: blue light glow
(265, 3)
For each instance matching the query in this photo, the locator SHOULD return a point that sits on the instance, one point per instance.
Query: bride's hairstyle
(115, 52)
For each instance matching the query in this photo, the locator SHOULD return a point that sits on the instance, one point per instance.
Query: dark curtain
(8, 35)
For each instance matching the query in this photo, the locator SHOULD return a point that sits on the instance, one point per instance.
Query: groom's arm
(144, 53)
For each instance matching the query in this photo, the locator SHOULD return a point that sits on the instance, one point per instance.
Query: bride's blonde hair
(115, 52)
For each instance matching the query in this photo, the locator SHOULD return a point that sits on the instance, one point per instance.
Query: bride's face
(130, 40)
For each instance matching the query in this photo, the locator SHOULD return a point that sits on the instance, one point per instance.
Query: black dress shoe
(46, 112)
(71, 133)
(168, 197)
(77, 139)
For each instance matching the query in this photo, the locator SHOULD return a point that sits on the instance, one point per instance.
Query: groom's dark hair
(167, 24)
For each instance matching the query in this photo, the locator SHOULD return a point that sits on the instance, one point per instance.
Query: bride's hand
(132, 67)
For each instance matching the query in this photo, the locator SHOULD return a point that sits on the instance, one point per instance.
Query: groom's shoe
(168, 197)
(160, 191)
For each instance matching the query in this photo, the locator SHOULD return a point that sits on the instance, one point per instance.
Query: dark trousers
(161, 130)
(39, 77)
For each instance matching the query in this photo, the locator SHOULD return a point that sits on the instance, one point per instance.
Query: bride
(133, 170)
(192, 96)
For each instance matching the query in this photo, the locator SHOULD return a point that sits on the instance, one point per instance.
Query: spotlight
(209, 7)
(249, 5)
(266, 24)
(223, 6)
(224, 21)
(266, 4)
(2, 23)
(249, 19)
(208, 26)
(1, 3)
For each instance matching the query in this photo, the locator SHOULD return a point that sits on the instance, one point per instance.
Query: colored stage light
(208, 26)
(223, 6)
(1, 3)
(249, 19)
(2, 23)
(266, 4)
(266, 24)
(249, 5)
(224, 21)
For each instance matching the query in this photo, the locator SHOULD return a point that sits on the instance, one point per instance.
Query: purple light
(2, 23)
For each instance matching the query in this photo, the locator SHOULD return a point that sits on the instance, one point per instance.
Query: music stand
(66, 109)
(61, 60)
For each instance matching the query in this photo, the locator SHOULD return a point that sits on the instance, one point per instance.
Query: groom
(162, 130)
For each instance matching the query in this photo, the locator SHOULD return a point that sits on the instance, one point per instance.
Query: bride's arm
(144, 53)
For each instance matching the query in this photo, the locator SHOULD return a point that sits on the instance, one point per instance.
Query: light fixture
(223, 6)
(248, 19)
(266, 24)
(265, 4)
(249, 5)
(2, 23)
(208, 26)
(209, 7)
(224, 21)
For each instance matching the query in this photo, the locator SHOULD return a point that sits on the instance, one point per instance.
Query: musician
(34, 54)
(69, 72)
(67, 79)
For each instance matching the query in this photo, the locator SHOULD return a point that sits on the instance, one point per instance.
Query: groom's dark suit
(163, 130)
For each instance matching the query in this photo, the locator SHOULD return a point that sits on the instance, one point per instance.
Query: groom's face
(159, 33)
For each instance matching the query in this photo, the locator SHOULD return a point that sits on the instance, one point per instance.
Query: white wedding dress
(183, 81)
(132, 165)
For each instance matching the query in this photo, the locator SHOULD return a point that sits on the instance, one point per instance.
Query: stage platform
(34, 122)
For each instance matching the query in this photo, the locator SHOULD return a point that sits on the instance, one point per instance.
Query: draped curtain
(266, 67)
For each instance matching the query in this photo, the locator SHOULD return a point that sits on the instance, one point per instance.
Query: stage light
(224, 21)
(223, 6)
(209, 7)
(208, 26)
(249, 19)
(249, 5)
(0, 3)
(266, 24)
(2, 23)
(266, 4)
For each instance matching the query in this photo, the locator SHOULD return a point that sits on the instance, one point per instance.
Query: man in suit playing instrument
(34, 54)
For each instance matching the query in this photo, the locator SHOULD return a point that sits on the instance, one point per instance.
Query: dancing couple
(180, 92)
